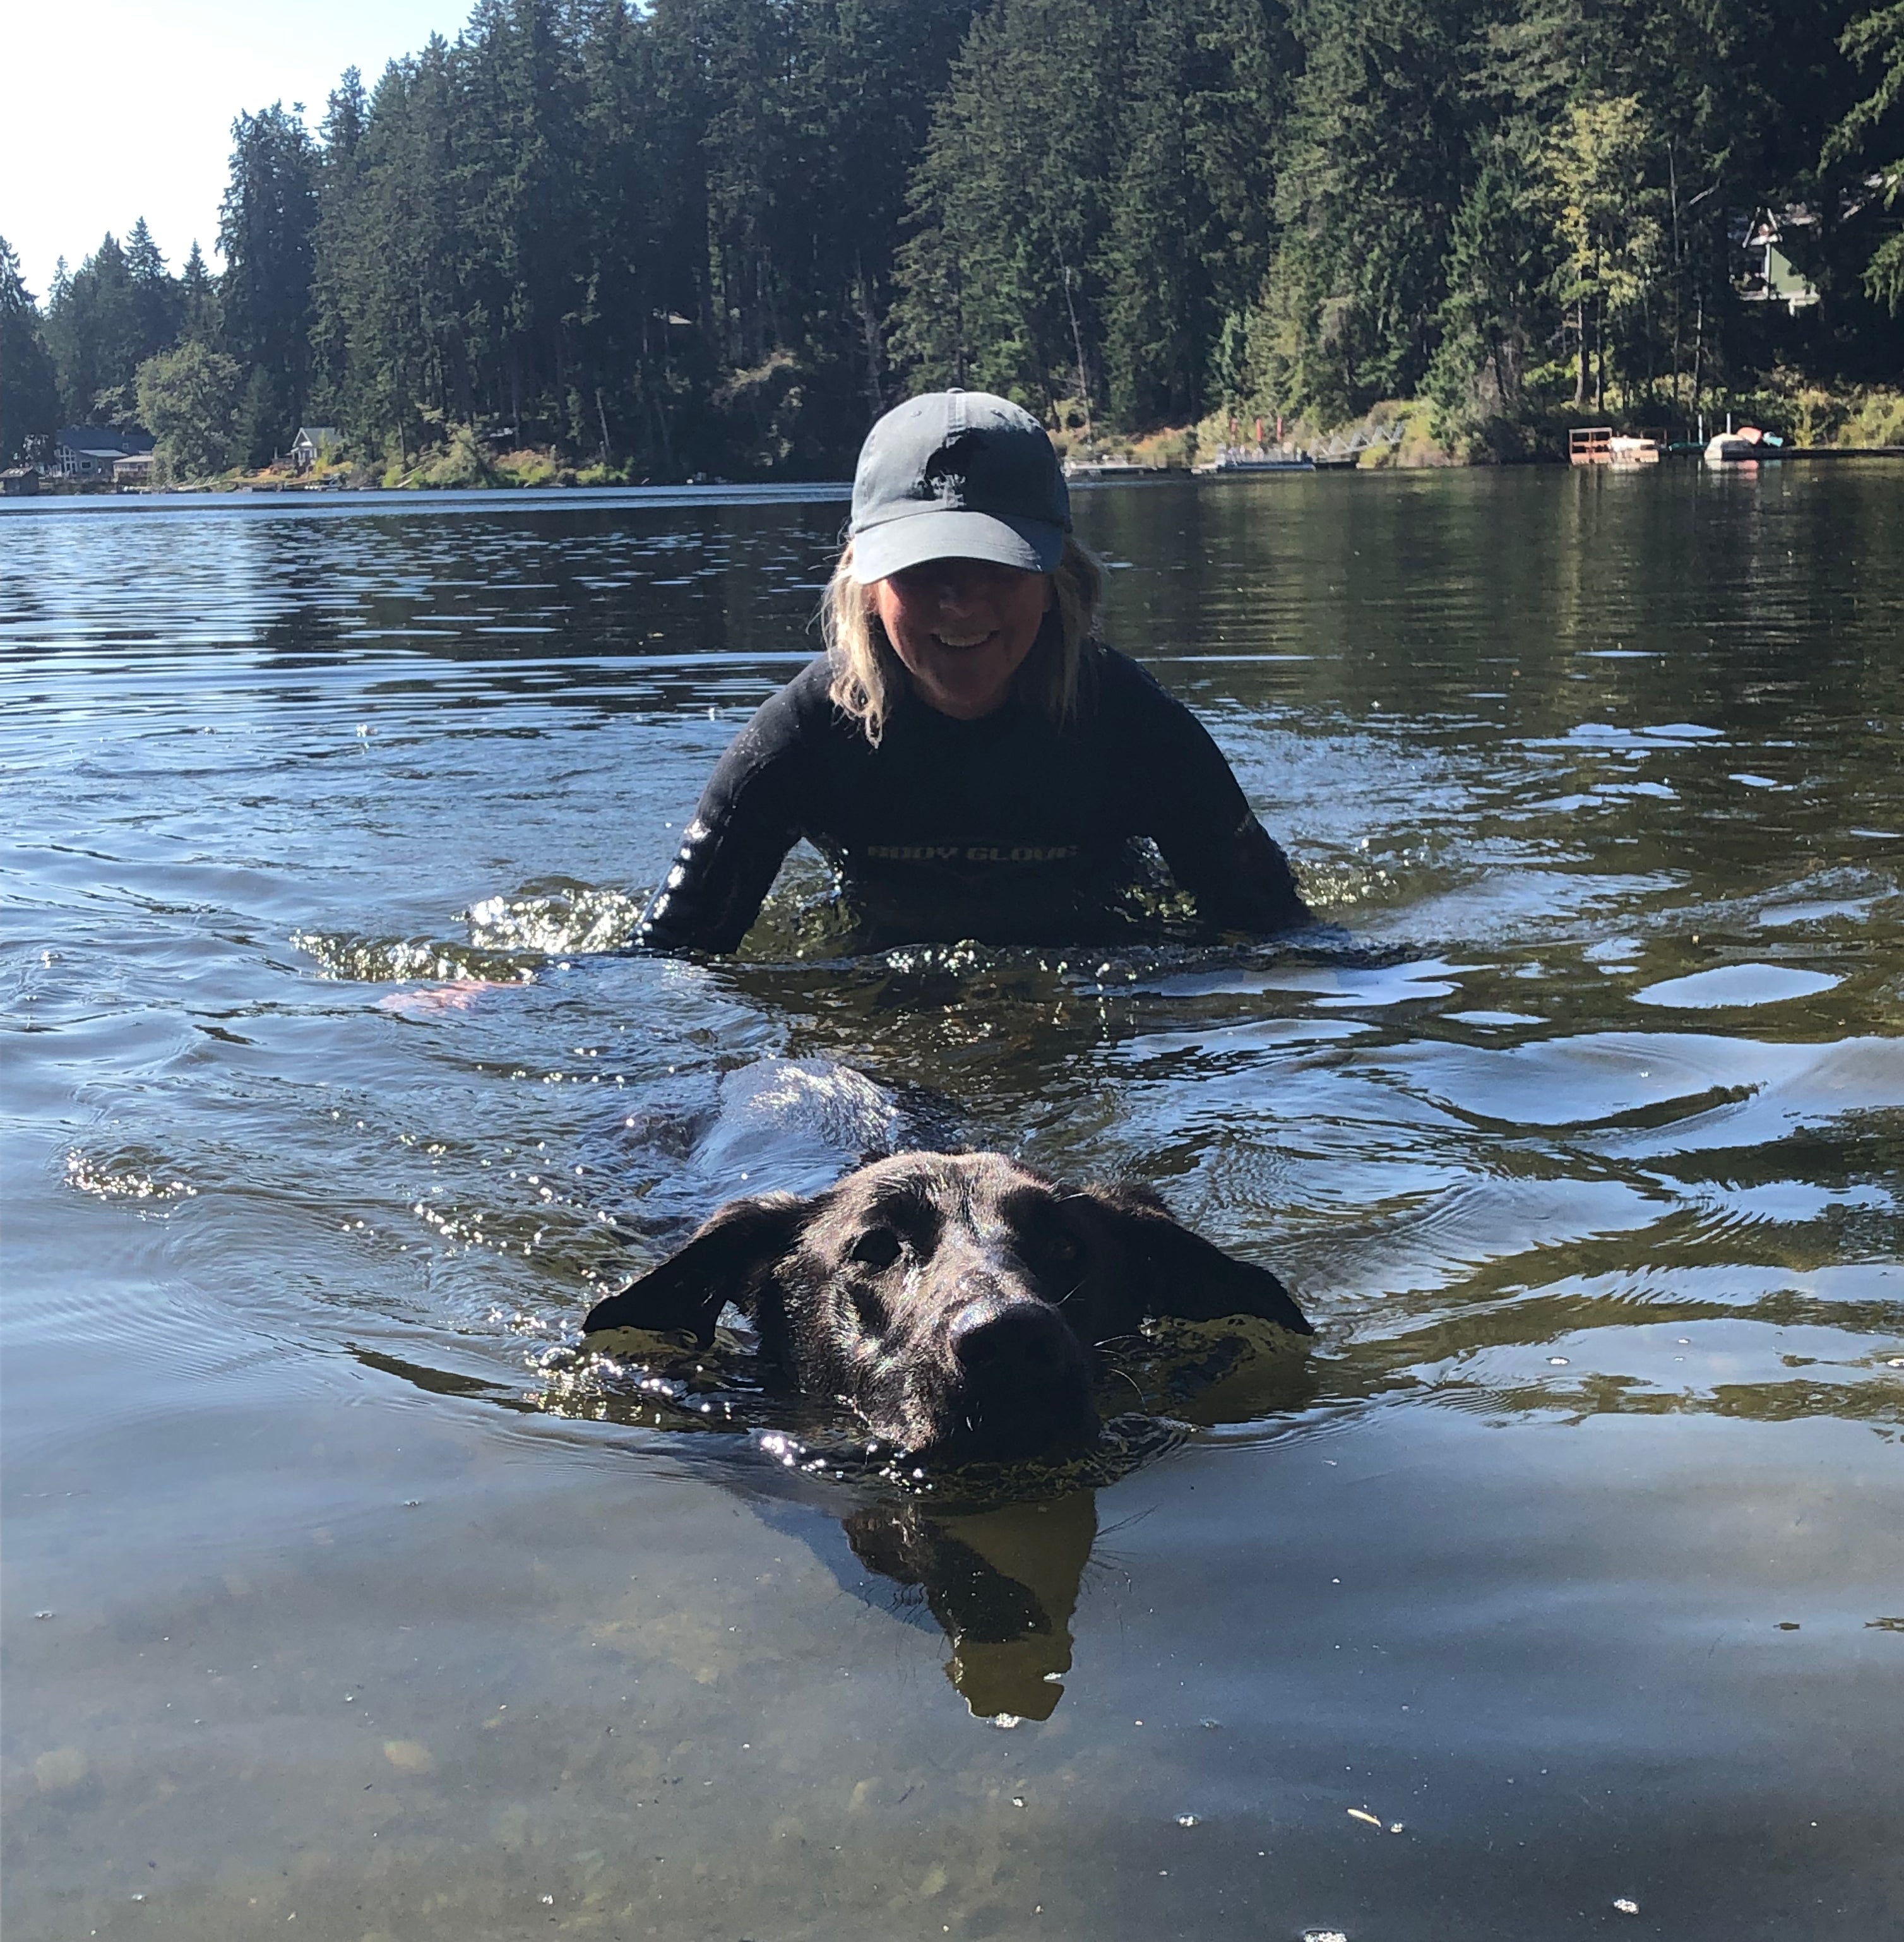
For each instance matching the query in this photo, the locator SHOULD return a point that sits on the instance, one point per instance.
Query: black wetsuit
(1008, 829)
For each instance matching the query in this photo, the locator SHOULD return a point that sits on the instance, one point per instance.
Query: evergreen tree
(644, 371)
(1187, 235)
(156, 299)
(395, 264)
(1376, 164)
(335, 245)
(199, 320)
(1500, 310)
(720, 235)
(29, 388)
(1009, 200)
(520, 282)
(265, 227)
(1877, 38)
(1739, 96)
(93, 329)
(789, 147)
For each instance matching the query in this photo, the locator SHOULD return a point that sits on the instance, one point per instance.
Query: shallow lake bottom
(1558, 1588)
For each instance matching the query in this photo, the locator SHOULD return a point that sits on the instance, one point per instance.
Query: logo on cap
(943, 478)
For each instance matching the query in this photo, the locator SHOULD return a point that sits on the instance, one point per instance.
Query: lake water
(1564, 1575)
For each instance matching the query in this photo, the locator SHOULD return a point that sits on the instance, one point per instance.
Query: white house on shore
(314, 443)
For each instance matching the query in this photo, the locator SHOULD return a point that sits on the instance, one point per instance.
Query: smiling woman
(963, 628)
(972, 762)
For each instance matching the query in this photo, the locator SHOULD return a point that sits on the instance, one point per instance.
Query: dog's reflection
(1000, 1575)
(1002, 1584)
(1002, 1581)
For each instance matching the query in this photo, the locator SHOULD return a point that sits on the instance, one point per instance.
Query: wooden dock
(1601, 445)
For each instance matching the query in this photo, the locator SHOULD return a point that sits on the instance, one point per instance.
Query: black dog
(954, 1302)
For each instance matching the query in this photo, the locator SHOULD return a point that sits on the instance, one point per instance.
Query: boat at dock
(1233, 460)
(1746, 446)
(1109, 468)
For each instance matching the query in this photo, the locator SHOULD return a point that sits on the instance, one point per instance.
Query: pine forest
(715, 237)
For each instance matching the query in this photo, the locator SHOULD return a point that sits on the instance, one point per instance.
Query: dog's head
(954, 1302)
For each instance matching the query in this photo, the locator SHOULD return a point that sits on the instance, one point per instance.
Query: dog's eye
(1059, 1247)
(878, 1248)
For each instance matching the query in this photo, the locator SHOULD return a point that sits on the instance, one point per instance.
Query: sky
(162, 81)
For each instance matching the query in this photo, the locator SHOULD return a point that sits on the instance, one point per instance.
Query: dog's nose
(992, 1338)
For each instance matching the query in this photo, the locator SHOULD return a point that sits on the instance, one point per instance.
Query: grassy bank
(1415, 432)
(1405, 433)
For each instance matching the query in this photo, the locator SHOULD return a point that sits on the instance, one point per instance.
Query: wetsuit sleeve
(747, 819)
(1245, 884)
(1202, 821)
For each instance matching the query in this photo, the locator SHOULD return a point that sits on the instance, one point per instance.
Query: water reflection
(1000, 1577)
(994, 1555)
(1611, 1378)
(997, 1554)
(1002, 1584)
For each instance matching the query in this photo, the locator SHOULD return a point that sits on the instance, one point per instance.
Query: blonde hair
(868, 678)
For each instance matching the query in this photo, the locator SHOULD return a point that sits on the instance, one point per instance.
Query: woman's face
(963, 628)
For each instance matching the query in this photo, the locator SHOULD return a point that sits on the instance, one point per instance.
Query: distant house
(90, 451)
(135, 469)
(19, 481)
(1773, 278)
(312, 443)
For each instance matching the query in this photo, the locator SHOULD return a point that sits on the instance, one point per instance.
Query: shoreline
(357, 498)
(399, 498)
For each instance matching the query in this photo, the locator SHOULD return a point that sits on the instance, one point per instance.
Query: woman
(973, 764)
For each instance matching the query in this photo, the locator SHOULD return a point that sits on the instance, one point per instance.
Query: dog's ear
(723, 1262)
(1181, 1273)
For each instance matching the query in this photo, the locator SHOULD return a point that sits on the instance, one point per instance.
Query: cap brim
(1030, 545)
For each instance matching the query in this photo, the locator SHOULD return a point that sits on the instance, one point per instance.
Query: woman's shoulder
(786, 736)
(806, 695)
(803, 710)
(1121, 693)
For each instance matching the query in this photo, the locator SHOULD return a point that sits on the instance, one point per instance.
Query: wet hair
(868, 677)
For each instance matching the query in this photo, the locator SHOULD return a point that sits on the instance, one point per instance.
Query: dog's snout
(991, 1337)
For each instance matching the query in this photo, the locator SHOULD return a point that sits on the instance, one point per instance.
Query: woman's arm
(1242, 882)
(1202, 821)
(747, 819)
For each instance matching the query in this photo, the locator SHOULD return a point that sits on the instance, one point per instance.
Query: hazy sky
(161, 82)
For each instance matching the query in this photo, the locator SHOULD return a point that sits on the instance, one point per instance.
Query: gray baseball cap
(958, 474)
